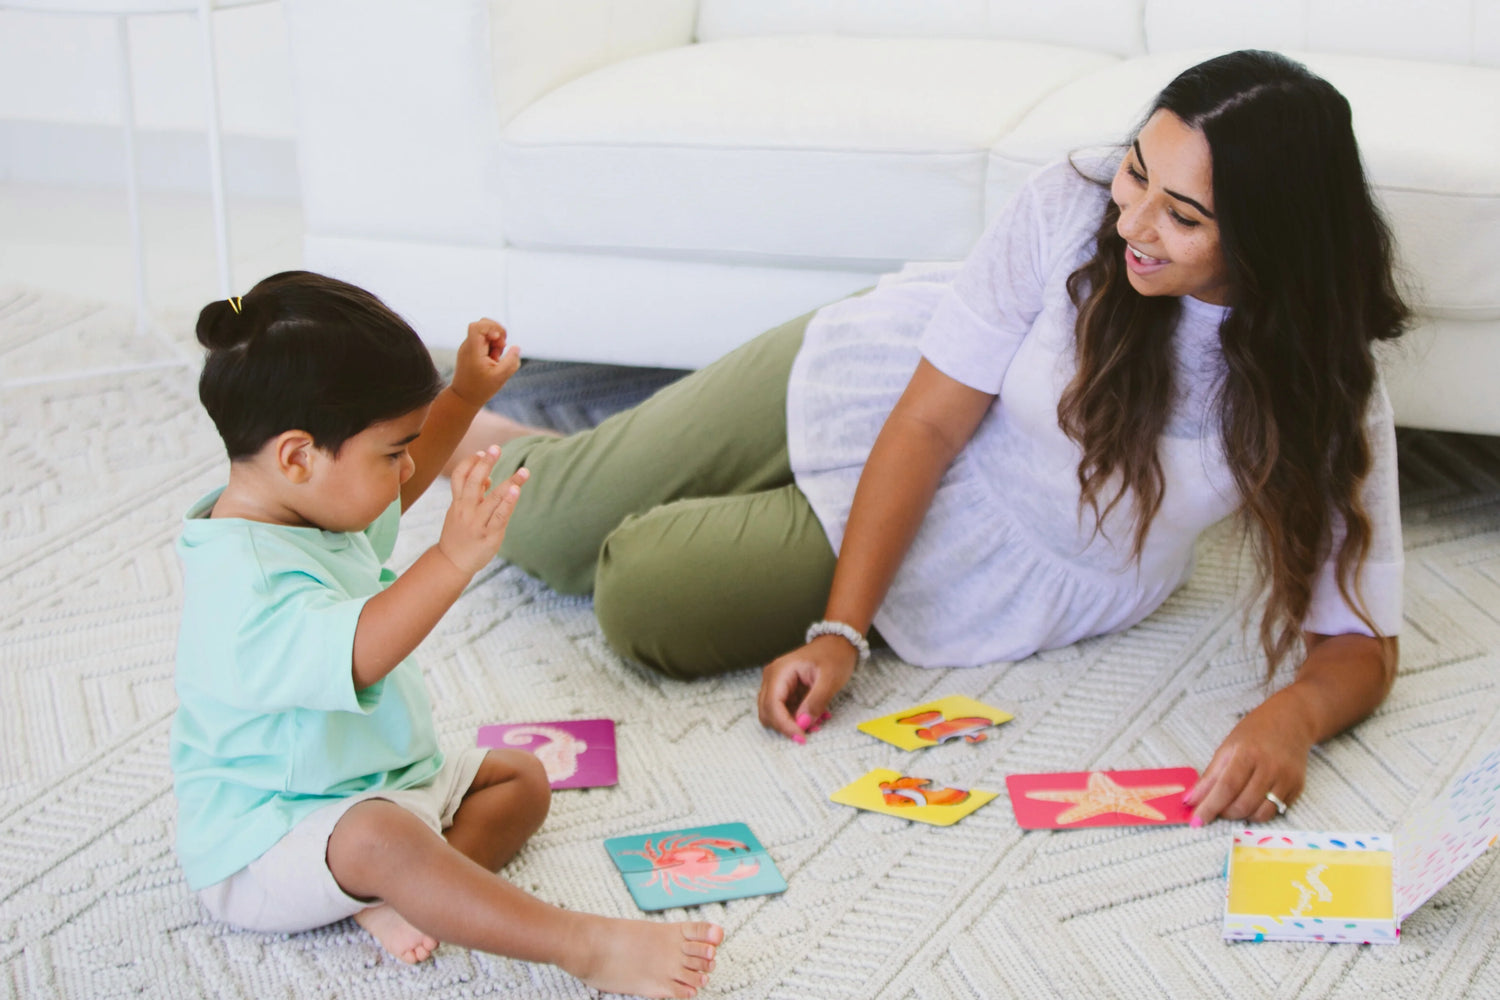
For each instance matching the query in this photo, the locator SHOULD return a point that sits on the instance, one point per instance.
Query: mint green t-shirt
(269, 727)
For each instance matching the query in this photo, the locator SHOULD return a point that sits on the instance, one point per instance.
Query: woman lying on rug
(1018, 452)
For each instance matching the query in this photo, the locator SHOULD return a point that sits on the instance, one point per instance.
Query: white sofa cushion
(1450, 31)
(540, 44)
(794, 148)
(1106, 25)
(1432, 159)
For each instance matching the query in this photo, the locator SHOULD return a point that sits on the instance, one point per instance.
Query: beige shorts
(289, 888)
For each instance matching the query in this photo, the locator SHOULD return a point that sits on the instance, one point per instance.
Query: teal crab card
(702, 864)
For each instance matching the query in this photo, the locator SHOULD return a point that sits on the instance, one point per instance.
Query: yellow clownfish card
(921, 799)
(955, 717)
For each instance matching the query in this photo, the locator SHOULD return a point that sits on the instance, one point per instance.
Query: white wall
(60, 100)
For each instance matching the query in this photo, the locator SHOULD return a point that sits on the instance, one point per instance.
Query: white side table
(120, 10)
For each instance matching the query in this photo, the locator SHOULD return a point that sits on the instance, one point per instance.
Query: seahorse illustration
(1305, 895)
(559, 753)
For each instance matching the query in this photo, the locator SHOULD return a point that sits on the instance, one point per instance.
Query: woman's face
(1164, 189)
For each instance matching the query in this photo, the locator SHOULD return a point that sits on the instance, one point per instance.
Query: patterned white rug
(105, 446)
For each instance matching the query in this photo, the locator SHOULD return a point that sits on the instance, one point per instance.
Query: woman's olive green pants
(681, 516)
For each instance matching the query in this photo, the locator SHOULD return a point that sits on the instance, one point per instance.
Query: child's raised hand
(484, 362)
(475, 525)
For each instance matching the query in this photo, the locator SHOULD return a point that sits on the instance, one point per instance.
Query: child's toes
(702, 930)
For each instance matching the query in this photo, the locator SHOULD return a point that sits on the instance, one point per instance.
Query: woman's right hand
(795, 689)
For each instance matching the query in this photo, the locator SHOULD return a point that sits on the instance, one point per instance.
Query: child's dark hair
(307, 352)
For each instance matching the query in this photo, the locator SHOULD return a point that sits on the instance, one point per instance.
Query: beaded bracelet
(849, 632)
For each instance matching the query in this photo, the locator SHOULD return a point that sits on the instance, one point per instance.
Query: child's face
(355, 487)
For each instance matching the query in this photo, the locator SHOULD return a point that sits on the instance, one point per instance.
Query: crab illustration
(934, 727)
(693, 864)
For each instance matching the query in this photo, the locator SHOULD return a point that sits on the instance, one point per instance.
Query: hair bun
(221, 326)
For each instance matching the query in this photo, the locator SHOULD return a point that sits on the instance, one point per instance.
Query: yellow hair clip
(234, 303)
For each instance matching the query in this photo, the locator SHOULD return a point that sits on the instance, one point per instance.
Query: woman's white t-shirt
(1005, 563)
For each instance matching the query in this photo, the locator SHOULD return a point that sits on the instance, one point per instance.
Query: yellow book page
(1294, 883)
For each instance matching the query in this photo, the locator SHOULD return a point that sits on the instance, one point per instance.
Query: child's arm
(484, 364)
(395, 620)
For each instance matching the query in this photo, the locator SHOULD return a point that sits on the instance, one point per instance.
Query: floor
(77, 240)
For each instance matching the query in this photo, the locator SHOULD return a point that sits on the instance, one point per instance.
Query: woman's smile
(1142, 263)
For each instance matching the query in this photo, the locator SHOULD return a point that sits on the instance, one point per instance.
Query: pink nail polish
(800, 740)
(1195, 822)
(803, 720)
(825, 717)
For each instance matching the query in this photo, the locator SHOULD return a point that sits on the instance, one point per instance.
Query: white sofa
(654, 181)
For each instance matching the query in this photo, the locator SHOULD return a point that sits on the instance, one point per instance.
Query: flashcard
(908, 797)
(1101, 798)
(955, 717)
(1295, 885)
(577, 753)
(704, 864)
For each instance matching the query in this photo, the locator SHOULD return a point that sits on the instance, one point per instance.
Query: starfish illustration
(1102, 796)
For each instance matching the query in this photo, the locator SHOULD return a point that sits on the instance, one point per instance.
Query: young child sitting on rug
(308, 778)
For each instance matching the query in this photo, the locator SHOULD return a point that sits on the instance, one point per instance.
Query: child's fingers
(503, 498)
(508, 359)
(462, 473)
(472, 479)
(486, 330)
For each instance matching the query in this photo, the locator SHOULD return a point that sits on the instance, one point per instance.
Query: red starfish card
(1101, 798)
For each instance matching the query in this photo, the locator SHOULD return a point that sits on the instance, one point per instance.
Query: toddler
(308, 778)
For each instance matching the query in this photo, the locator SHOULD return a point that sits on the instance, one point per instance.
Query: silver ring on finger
(1275, 801)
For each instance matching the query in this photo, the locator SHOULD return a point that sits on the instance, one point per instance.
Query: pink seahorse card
(703, 864)
(577, 753)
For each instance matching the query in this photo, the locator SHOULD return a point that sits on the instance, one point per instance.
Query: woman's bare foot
(489, 428)
(395, 935)
(646, 958)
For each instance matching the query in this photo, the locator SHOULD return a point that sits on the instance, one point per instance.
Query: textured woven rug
(105, 446)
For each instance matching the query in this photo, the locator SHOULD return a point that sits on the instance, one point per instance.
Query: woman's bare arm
(1343, 679)
(931, 423)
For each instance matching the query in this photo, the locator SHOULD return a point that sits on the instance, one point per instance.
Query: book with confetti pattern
(1297, 885)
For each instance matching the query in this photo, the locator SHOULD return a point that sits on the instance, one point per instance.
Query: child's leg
(380, 850)
(720, 431)
(504, 805)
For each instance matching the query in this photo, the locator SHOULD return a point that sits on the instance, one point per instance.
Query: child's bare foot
(487, 428)
(395, 935)
(646, 958)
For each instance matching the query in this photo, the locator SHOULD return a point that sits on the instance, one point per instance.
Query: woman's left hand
(1266, 752)
(484, 363)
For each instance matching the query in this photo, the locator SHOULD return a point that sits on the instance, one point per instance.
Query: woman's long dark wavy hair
(1311, 286)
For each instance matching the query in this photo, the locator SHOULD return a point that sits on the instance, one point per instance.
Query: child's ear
(295, 455)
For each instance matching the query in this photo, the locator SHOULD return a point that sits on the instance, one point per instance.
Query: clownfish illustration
(942, 731)
(913, 792)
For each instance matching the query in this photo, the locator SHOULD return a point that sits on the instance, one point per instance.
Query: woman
(1018, 452)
